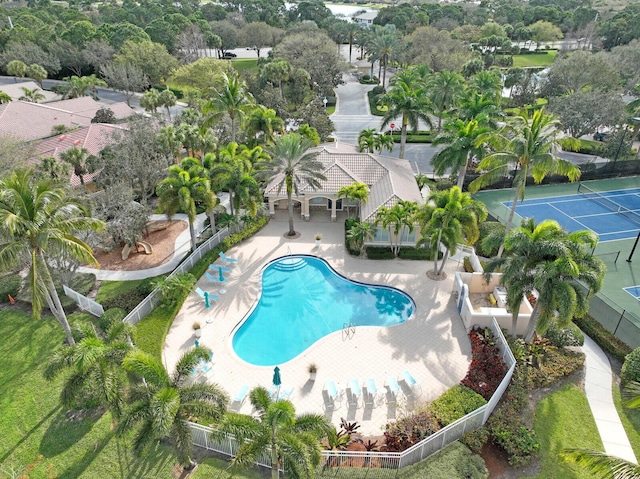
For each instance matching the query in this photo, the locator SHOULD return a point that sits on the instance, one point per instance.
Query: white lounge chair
(226, 259)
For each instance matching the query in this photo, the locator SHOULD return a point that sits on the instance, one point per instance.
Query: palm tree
(370, 141)
(385, 43)
(398, 219)
(80, 86)
(352, 30)
(449, 217)
(487, 83)
(560, 283)
(600, 464)
(355, 191)
(77, 158)
(172, 141)
(31, 95)
(445, 90)
(95, 365)
(474, 106)
(234, 172)
(182, 189)
(555, 263)
(233, 100)
(52, 168)
(406, 99)
(462, 148)
(279, 71)
(529, 145)
(163, 402)
(38, 221)
(293, 442)
(361, 232)
(262, 125)
(291, 165)
(525, 246)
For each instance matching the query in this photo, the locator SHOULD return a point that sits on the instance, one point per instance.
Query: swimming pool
(303, 299)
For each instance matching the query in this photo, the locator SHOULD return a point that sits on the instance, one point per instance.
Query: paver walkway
(598, 389)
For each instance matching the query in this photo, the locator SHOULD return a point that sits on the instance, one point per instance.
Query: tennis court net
(608, 203)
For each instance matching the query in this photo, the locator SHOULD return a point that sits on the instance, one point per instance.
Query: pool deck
(432, 346)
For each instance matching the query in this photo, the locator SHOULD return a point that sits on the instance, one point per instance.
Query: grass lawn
(33, 423)
(534, 60)
(630, 419)
(563, 419)
(249, 65)
(112, 289)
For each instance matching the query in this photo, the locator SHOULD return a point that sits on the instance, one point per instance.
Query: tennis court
(610, 208)
(613, 215)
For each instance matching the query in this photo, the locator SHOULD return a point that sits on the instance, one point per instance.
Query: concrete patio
(432, 346)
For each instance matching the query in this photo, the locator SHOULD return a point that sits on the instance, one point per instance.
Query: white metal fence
(384, 464)
(84, 303)
(151, 301)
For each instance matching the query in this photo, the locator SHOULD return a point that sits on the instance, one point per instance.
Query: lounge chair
(226, 259)
(216, 268)
(393, 388)
(206, 368)
(213, 279)
(356, 392)
(287, 393)
(411, 382)
(372, 391)
(240, 396)
(212, 297)
(332, 392)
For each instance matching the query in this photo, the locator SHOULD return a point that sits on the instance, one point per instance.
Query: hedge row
(603, 337)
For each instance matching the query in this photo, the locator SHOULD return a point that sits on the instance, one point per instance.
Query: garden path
(598, 389)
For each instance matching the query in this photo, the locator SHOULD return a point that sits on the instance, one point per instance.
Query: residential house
(15, 91)
(365, 19)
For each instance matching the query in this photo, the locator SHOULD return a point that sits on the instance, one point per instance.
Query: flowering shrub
(487, 367)
(409, 429)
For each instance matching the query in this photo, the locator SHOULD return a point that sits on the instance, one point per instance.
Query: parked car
(229, 55)
(600, 135)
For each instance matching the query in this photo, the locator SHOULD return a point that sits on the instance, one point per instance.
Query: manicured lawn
(630, 420)
(217, 468)
(563, 419)
(249, 65)
(112, 289)
(33, 423)
(534, 60)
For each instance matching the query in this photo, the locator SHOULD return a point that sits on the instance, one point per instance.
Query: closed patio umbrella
(277, 381)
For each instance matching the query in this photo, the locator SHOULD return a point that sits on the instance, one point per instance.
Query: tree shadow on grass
(66, 429)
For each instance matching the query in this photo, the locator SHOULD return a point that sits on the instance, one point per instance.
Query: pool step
(290, 264)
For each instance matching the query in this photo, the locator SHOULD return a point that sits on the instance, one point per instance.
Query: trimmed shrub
(146, 286)
(443, 185)
(563, 337)
(474, 440)
(455, 403)
(379, 252)
(466, 263)
(631, 367)
(348, 224)
(603, 337)
(409, 429)
(417, 253)
(9, 285)
(110, 316)
(127, 300)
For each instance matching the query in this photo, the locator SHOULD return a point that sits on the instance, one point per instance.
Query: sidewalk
(598, 389)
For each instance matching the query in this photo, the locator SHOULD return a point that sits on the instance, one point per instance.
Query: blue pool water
(303, 299)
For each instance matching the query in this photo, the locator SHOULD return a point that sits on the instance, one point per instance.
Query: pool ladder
(348, 330)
